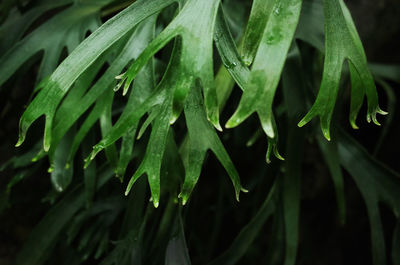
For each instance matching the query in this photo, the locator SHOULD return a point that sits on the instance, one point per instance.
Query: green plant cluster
(152, 87)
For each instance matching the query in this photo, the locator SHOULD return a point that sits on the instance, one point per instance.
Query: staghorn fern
(161, 53)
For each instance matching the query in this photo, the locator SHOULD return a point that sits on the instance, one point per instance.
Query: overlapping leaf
(195, 30)
(160, 101)
(268, 65)
(236, 67)
(269, 35)
(55, 87)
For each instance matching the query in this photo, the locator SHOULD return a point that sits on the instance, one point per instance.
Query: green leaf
(68, 114)
(161, 102)
(202, 137)
(151, 163)
(238, 70)
(143, 86)
(55, 88)
(259, 16)
(194, 24)
(342, 42)
(268, 64)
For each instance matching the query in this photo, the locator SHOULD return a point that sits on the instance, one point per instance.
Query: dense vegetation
(154, 117)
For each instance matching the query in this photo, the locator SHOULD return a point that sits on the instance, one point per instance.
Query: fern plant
(157, 85)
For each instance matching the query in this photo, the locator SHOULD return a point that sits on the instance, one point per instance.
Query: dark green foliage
(182, 65)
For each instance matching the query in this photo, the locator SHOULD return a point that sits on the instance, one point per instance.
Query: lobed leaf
(160, 101)
(201, 137)
(268, 65)
(342, 42)
(194, 24)
(236, 67)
